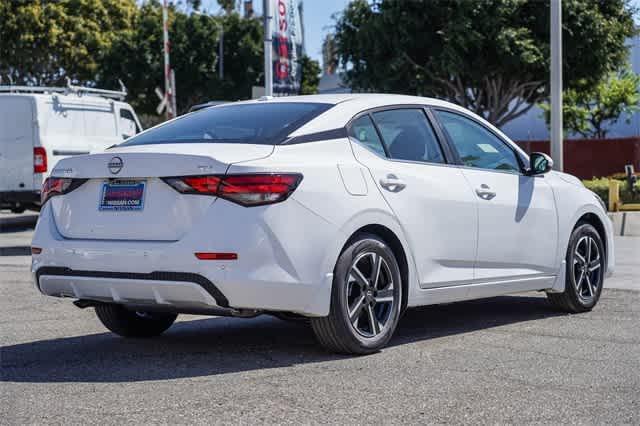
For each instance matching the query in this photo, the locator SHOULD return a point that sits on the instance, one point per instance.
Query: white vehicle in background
(41, 125)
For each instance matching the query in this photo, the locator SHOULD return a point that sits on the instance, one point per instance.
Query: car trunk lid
(158, 212)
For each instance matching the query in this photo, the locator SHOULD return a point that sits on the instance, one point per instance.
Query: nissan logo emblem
(115, 165)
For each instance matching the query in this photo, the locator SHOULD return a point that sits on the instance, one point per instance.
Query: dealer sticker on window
(122, 195)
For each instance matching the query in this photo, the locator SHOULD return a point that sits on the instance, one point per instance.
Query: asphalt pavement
(501, 360)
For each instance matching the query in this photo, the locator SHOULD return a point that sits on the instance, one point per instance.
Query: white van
(40, 126)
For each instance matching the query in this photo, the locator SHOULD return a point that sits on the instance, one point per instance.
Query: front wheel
(584, 271)
(126, 323)
(365, 299)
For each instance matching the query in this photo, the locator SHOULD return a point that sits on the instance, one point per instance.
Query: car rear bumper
(276, 270)
(171, 290)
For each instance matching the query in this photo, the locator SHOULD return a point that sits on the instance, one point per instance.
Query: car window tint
(408, 135)
(476, 145)
(264, 123)
(363, 130)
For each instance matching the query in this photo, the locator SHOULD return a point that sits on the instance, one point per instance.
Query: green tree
(310, 76)
(591, 112)
(489, 56)
(41, 42)
(138, 60)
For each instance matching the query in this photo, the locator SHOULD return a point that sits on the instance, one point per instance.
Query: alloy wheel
(370, 294)
(587, 269)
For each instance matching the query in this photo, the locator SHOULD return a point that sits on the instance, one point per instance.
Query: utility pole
(221, 53)
(556, 85)
(268, 62)
(168, 92)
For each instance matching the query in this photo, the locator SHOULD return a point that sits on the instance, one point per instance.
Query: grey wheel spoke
(586, 276)
(588, 251)
(579, 282)
(595, 264)
(373, 321)
(580, 258)
(384, 296)
(359, 277)
(376, 262)
(355, 310)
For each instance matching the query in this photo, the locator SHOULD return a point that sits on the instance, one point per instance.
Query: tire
(585, 268)
(126, 323)
(367, 334)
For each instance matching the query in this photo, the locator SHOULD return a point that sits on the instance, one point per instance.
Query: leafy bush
(601, 187)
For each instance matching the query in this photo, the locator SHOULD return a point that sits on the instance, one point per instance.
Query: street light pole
(221, 53)
(556, 85)
(168, 93)
(268, 62)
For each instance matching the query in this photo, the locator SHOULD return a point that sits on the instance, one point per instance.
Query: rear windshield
(259, 123)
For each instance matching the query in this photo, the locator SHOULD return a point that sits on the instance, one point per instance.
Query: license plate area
(122, 195)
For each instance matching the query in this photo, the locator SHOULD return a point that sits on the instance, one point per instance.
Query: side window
(476, 145)
(408, 135)
(364, 131)
(128, 126)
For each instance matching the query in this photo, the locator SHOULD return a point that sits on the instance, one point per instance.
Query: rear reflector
(36, 250)
(247, 190)
(39, 160)
(216, 256)
(53, 186)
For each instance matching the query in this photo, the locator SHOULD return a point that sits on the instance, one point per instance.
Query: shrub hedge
(601, 187)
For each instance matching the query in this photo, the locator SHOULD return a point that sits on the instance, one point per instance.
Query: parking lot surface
(501, 360)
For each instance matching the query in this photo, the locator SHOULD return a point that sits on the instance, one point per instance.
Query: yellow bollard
(614, 195)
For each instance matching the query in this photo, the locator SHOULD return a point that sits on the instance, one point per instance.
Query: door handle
(485, 192)
(392, 184)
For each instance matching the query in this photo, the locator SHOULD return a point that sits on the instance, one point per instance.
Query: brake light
(246, 190)
(57, 186)
(39, 160)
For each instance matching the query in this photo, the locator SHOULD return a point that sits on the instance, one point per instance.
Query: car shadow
(205, 347)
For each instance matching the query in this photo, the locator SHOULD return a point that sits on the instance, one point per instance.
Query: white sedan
(343, 210)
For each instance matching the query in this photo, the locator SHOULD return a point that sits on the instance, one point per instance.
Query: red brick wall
(588, 158)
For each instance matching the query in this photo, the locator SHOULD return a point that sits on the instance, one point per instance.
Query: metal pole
(556, 85)
(221, 53)
(268, 62)
(167, 69)
(174, 106)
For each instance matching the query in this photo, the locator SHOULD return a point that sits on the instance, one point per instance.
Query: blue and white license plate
(125, 195)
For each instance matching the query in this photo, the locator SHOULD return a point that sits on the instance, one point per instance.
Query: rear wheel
(126, 323)
(584, 271)
(365, 299)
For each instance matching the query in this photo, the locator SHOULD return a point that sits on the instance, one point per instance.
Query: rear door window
(408, 135)
(265, 123)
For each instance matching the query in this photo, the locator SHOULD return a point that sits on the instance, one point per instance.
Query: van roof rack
(70, 88)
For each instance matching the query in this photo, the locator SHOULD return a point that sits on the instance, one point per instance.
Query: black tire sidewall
(580, 231)
(128, 323)
(364, 243)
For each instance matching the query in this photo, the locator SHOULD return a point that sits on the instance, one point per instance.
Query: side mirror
(539, 163)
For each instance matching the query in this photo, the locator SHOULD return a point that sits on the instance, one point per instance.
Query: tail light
(39, 160)
(247, 190)
(57, 186)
